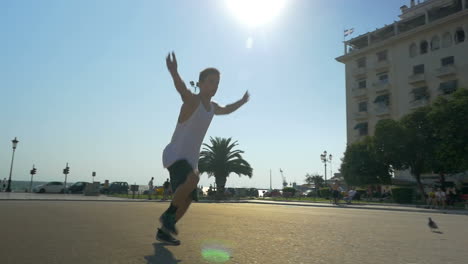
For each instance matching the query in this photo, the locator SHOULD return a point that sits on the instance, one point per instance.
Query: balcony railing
(417, 78)
(357, 92)
(382, 85)
(419, 103)
(359, 71)
(361, 115)
(382, 65)
(382, 110)
(445, 71)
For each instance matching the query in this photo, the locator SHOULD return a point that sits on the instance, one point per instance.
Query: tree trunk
(420, 186)
(220, 184)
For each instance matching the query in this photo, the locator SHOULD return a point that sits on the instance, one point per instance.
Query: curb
(284, 203)
(457, 212)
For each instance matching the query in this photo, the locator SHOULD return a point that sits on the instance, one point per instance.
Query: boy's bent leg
(183, 209)
(185, 189)
(168, 218)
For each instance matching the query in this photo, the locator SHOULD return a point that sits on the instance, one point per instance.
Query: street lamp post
(326, 159)
(15, 142)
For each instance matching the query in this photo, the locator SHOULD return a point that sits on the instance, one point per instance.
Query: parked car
(50, 187)
(77, 187)
(119, 187)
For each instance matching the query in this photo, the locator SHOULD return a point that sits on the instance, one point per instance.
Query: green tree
(449, 118)
(360, 165)
(221, 159)
(390, 142)
(419, 151)
(315, 179)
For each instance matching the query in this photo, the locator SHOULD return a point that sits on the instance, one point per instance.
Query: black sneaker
(166, 238)
(168, 223)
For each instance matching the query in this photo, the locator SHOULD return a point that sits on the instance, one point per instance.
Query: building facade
(405, 65)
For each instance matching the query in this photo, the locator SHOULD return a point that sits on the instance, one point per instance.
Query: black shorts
(336, 194)
(178, 172)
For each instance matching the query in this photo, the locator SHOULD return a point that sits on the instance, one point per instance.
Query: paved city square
(123, 232)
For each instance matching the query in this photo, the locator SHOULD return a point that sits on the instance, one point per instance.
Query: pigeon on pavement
(432, 225)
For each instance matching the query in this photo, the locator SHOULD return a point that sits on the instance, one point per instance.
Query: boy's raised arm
(178, 82)
(224, 110)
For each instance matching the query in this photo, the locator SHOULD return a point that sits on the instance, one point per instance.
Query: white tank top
(188, 137)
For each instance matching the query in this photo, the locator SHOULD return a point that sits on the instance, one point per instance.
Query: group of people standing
(167, 189)
(438, 198)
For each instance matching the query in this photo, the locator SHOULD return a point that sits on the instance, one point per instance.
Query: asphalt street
(124, 232)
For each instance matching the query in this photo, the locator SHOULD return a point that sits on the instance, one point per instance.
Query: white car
(50, 187)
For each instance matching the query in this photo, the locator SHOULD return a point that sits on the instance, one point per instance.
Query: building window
(446, 40)
(423, 47)
(435, 43)
(382, 56)
(382, 100)
(362, 84)
(383, 77)
(420, 93)
(413, 50)
(362, 107)
(361, 63)
(448, 87)
(447, 61)
(362, 129)
(459, 35)
(418, 69)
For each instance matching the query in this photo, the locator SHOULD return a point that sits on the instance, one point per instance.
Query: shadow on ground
(161, 255)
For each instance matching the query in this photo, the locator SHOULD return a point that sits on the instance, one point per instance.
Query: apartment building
(405, 65)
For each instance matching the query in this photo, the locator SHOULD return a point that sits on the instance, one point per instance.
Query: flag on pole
(348, 32)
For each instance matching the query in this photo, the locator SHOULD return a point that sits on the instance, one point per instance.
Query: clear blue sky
(85, 82)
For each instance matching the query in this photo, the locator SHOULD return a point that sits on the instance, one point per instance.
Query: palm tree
(220, 159)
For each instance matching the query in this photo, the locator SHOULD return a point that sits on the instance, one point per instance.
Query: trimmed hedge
(325, 193)
(403, 195)
(289, 190)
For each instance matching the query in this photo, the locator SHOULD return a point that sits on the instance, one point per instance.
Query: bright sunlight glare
(255, 12)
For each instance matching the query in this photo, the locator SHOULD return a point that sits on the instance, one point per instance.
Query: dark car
(77, 187)
(119, 187)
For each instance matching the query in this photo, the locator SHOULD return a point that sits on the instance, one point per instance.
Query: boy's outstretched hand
(171, 64)
(246, 97)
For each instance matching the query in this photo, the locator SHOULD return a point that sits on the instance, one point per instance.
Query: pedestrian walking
(167, 189)
(150, 188)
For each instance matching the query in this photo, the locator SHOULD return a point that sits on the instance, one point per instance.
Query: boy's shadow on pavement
(161, 255)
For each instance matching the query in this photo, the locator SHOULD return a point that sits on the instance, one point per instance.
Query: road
(123, 232)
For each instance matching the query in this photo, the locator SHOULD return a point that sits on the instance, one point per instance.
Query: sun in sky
(255, 13)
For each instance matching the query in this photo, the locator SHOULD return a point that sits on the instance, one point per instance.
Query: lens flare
(216, 251)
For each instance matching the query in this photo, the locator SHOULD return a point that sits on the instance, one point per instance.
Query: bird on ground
(432, 225)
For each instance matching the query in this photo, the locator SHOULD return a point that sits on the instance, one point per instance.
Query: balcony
(382, 110)
(361, 115)
(382, 65)
(417, 78)
(359, 71)
(446, 71)
(419, 103)
(358, 92)
(382, 86)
